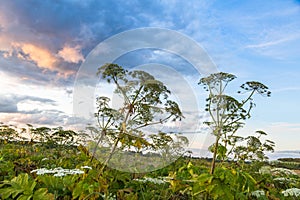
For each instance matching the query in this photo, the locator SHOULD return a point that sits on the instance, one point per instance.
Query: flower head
(291, 192)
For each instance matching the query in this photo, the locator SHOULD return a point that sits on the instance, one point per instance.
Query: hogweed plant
(145, 102)
(227, 113)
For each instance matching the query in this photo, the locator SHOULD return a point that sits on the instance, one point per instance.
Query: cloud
(72, 55)
(279, 45)
(51, 118)
(9, 103)
(226, 29)
(268, 44)
(35, 118)
(20, 109)
(8, 107)
(57, 36)
(41, 56)
(22, 71)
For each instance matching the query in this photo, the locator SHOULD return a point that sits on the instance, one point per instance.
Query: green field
(72, 175)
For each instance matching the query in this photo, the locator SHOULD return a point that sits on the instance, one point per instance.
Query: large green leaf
(42, 194)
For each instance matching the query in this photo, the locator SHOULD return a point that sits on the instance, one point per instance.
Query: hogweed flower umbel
(58, 172)
(152, 180)
(258, 193)
(291, 192)
(278, 171)
(86, 167)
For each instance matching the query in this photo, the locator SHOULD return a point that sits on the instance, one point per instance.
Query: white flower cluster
(291, 192)
(283, 180)
(258, 193)
(57, 171)
(153, 180)
(86, 167)
(283, 171)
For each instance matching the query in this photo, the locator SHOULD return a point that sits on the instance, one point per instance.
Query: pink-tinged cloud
(71, 54)
(44, 118)
(41, 56)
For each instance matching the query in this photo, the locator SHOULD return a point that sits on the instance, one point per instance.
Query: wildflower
(258, 193)
(153, 180)
(75, 171)
(86, 167)
(291, 192)
(277, 171)
(42, 171)
(283, 180)
(58, 172)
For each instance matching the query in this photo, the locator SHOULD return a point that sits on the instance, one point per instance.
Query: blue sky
(44, 43)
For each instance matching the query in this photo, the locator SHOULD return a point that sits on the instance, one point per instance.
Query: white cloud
(270, 43)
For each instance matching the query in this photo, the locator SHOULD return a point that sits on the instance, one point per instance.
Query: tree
(8, 132)
(226, 112)
(43, 133)
(146, 103)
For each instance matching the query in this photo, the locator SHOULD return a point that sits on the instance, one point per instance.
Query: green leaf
(42, 194)
(24, 197)
(80, 189)
(7, 192)
(205, 178)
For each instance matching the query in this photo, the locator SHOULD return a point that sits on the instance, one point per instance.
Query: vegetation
(145, 103)
(227, 117)
(53, 163)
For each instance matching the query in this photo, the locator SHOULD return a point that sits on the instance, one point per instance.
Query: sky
(45, 44)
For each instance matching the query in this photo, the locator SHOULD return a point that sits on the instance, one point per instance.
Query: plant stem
(213, 163)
